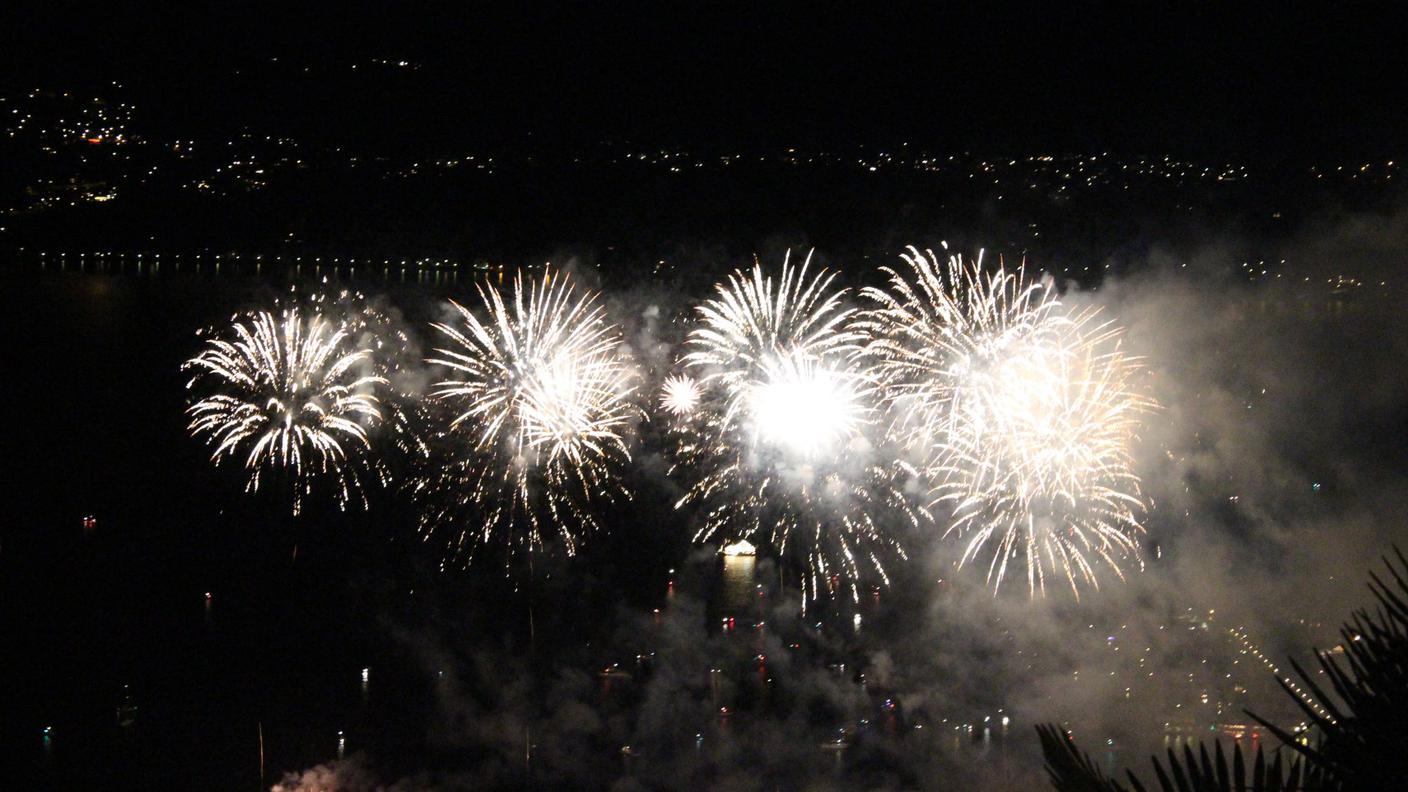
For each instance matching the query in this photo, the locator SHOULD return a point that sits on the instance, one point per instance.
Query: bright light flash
(804, 409)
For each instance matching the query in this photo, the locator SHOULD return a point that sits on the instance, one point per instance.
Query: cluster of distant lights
(1365, 171)
(85, 124)
(70, 118)
(1249, 648)
(1187, 723)
(1090, 170)
(1264, 271)
(469, 161)
(102, 129)
(297, 260)
(247, 168)
(1034, 171)
(386, 63)
(59, 193)
(1253, 271)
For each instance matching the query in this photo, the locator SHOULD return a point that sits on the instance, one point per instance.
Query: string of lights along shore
(825, 425)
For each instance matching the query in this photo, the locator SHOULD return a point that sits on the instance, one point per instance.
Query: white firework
(290, 394)
(679, 395)
(540, 396)
(781, 448)
(1020, 415)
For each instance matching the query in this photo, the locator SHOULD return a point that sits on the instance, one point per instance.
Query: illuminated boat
(742, 547)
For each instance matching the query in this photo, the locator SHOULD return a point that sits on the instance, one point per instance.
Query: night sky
(1282, 82)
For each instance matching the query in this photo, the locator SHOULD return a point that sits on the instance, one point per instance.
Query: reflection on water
(738, 587)
(127, 709)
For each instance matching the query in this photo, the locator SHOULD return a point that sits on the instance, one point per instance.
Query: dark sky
(1130, 77)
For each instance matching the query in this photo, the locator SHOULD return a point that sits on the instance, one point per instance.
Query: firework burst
(540, 402)
(679, 395)
(780, 447)
(291, 394)
(1019, 414)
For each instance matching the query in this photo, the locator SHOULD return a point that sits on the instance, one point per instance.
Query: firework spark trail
(290, 394)
(1020, 415)
(541, 401)
(779, 446)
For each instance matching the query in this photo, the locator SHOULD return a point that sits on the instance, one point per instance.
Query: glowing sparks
(780, 447)
(679, 396)
(754, 320)
(1020, 415)
(540, 396)
(291, 394)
